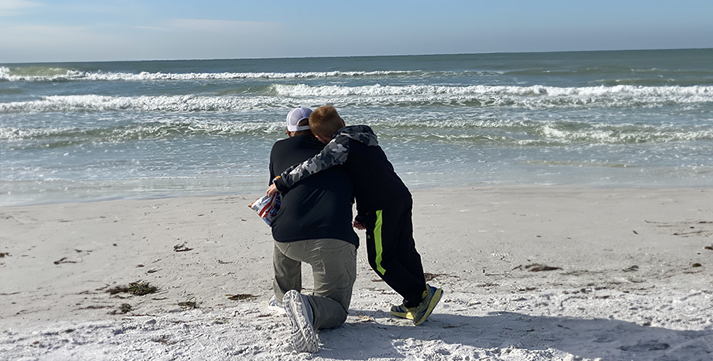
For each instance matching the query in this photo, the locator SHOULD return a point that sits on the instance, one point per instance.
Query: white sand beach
(529, 273)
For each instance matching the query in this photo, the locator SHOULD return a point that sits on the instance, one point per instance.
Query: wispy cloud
(217, 26)
(15, 7)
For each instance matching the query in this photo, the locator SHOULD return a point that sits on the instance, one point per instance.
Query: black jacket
(376, 185)
(320, 207)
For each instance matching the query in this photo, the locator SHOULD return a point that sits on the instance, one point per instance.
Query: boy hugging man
(383, 207)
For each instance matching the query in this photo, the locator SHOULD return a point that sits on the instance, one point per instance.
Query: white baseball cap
(295, 116)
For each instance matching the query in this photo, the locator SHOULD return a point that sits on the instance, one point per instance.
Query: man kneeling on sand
(313, 225)
(383, 203)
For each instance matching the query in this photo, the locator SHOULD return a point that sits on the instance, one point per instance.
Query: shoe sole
(406, 315)
(434, 301)
(302, 337)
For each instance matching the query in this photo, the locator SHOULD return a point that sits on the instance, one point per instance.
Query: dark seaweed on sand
(240, 297)
(536, 267)
(134, 288)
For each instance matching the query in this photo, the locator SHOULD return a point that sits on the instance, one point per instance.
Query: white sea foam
(478, 95)
(693, 93)
(504, 133)
(14, 134)
(135, 131)
(143, 103)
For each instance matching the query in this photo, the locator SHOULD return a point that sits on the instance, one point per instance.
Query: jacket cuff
(280, 184)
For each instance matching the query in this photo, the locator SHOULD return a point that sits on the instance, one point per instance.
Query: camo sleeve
(334, 153)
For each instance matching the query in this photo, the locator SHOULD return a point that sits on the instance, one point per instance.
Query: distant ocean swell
(635, 77)
(285, 96)
(59, 74)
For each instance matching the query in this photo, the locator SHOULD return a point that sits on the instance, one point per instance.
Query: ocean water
(106, 130)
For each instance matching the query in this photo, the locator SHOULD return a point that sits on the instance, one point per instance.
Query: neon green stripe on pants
(379, 249)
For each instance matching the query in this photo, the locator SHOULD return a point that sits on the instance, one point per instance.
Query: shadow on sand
(446, 336)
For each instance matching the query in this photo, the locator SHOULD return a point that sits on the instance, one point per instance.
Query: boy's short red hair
(325, 121)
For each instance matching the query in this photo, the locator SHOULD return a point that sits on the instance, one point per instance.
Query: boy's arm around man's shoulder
(334, 153)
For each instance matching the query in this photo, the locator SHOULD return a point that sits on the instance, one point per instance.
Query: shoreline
(111, 198)
(561, 255)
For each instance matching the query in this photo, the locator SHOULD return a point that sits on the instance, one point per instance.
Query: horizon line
(353, 56)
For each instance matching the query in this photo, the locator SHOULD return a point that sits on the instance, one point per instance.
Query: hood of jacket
(360, 133)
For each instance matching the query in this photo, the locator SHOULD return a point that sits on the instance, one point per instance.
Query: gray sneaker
(299, 312)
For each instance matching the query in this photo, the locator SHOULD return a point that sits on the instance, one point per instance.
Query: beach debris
(181, 248)
(64, 260)
(188, 304)
(365, 319)
(164, 339)
(223, 320)
(537, 267)
(142, 288)
(696, 265)
(134, 288)
(124, 309)
(241, 297)
(3, 254)
(93, 307)
(635, 232)
(541, 268)
(430, 276)
(633, 268)
(708, 248)
(102, 288)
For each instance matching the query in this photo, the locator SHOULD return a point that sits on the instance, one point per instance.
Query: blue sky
(82, 30)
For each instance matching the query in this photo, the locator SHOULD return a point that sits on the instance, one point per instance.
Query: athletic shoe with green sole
(403, 311)
(429, 302)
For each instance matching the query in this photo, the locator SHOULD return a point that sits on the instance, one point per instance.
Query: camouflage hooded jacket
(357, 149)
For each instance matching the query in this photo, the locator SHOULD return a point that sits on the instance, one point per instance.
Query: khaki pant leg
(287, 273)
(333, 264)
(334, 275)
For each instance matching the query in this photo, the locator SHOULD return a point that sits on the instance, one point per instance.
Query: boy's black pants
(392, 251)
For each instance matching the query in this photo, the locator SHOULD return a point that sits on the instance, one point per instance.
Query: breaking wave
(507, 133)
(61, 74)
(280, 96)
